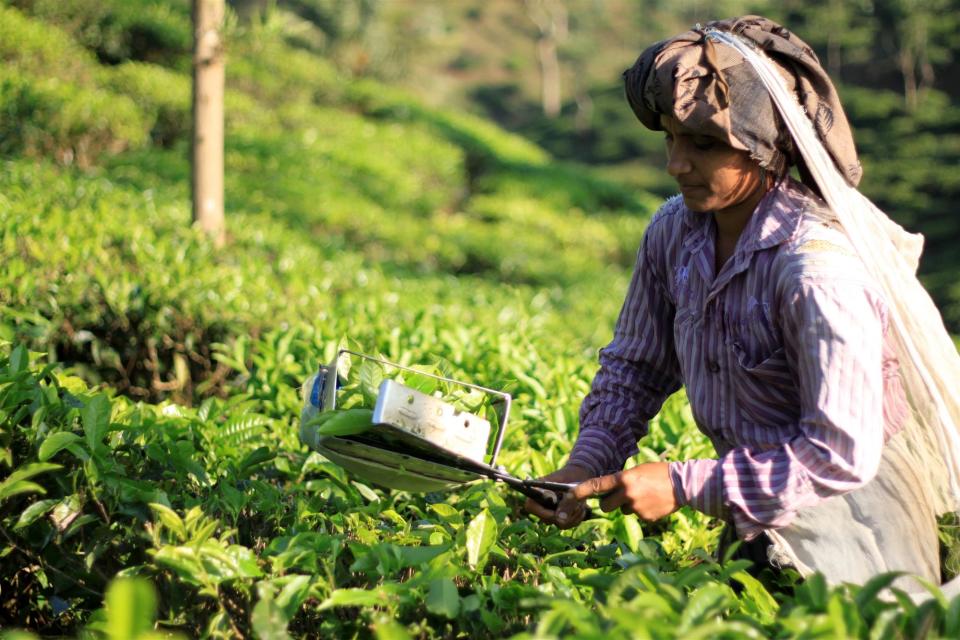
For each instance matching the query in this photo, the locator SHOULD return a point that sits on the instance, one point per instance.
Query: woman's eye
(704, 143)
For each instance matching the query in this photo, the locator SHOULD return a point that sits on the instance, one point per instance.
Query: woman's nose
(678, 160)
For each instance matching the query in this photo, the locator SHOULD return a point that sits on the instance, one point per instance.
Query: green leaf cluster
(138, 519)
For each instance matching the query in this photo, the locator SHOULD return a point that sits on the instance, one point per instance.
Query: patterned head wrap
(710, 89)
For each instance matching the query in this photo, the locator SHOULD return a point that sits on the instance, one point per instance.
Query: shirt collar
(773, 222)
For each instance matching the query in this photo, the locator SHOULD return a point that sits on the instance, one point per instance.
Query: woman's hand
(570, 511)
(645, 490)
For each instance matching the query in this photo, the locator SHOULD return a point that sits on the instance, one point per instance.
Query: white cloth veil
(929, 362)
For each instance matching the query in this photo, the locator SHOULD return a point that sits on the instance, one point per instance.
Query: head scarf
(711, 90)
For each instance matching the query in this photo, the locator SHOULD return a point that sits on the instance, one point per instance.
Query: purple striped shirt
(784, 354)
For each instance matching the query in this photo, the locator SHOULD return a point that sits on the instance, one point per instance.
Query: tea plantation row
(240, 531)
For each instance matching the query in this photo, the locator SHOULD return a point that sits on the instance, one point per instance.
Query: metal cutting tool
(418, 441)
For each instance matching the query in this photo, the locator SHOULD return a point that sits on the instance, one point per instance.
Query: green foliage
(131, 607)
(163, 95)
(271, 71)
(52, 101)
(61, 120)
(117, 30)
(33, 46)
(344, 423)
(235, 540)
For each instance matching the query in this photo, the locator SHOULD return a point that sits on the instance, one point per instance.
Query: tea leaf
(370, 376)
(481, 535)
(268, 619)
(422, 383)
(443, 598)
(18, 359)
(627, 529)
(35, 511)
(131, 605)
(54, 443)
(347, 423)
(352, 598)
(96, 418)
(867, 594)
(757, 601)
(16, 483)
(387, 629)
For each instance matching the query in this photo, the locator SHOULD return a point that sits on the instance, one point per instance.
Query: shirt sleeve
(834, 333)
(638, 370)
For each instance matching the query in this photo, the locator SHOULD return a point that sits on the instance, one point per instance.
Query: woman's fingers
(570, 507)
(569, 512)
(649, 487)
(616, 499)
(539, 510)
(596, 487)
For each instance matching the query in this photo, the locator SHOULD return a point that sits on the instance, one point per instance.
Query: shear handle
(547, 498)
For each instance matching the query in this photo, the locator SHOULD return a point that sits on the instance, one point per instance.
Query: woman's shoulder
(666, 224)
(819, 248)
(669, 213)
(663, 236)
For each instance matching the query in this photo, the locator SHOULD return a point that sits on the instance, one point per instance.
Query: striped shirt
(784, 354)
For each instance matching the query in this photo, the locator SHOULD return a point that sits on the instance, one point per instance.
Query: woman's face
(712, 175)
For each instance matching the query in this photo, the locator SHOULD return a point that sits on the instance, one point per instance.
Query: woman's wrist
(673, 469)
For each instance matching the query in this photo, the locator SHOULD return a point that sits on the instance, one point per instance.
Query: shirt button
(713, 366)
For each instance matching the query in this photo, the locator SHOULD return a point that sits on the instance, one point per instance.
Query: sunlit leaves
(481, 536)
(19, 481)
(758, 603)
(208, 564)
(353, 598)
(96, 421)
(627, 530)
(54, 443)
(131, 605)
(278, 600)
(370, 377)
(443, 599)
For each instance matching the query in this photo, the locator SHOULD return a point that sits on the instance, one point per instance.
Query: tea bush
(52, 100)
(41, 48)
(58, 119)
(241, 532)
(119, 30)
(161, 93)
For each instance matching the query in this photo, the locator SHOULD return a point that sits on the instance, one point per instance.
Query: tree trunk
(208, 82)
(550, 76)
(909, 73)
(551, 19)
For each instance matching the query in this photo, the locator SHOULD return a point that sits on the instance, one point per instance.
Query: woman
(748, 292)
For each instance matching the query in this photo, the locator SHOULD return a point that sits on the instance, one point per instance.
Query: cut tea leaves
(344, 423)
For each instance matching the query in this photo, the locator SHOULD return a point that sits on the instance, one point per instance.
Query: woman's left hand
(645, 490)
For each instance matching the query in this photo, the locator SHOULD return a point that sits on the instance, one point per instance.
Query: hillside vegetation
(151, 478)
(894, 63)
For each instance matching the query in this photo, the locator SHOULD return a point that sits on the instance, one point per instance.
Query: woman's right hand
(570, 512)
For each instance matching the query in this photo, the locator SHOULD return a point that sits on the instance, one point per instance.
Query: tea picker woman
(789, 310)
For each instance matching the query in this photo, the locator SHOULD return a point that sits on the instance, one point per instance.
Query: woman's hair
(709, 88)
